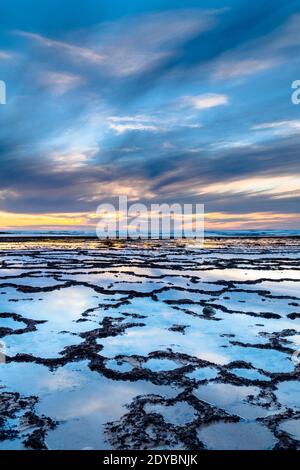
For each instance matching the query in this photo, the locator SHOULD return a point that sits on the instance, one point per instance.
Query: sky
(163, 101)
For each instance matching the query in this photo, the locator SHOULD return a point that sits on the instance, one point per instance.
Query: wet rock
(209, 311)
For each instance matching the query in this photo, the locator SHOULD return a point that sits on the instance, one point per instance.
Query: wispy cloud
(134, 188)
(73, 159)
(207, 101)
(278, 187)
(7, 193)
(60, 83)
(121, 128)
(250, 220)
(4, 55)
(144, 42)
(133, 45)
(241, 68)
(260, 54)
(124, 124)
(283, 128)
(75, 52)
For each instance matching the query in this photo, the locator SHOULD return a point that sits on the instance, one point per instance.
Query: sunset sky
(163, 101)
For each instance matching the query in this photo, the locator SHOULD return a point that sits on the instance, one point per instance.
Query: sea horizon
(92, 233)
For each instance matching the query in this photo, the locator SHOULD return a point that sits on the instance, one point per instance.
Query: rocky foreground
(156, 345)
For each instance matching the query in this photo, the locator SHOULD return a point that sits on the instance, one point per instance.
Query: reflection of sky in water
(35, 379)
(143, 341)
(267, 359)
(46, 344)
(203, 373)
(85, 409)
(9, 272)
(232, 398)
(119, 282)
(277, 288)
(36, 281)
(236, 436)
(119, 366)
(292, 427)
(288, 393)
(294, 341)
(11, 323)
(178, 414)
(245, 274)
(203, 339)
(158, 365)
(174, 294)
(61, 308)
(245, 302)
(250, 374)
(82, 400)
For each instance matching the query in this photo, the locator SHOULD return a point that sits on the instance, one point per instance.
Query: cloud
(146, 42)
(278, 187)
(7, 193)
(4, 55)
(231, 144)
(207, 101)
(252, 54)
(250, 220)
(122, 124)
(60, 83)
(135, 189)
(282, 128)
(73, 51)
(132, 45)
(73, 159)
(288, 35)
(169, 121)
(229, 69)
(121, 128)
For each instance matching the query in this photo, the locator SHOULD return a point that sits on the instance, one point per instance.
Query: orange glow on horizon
(213, 220)
(12, 220)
